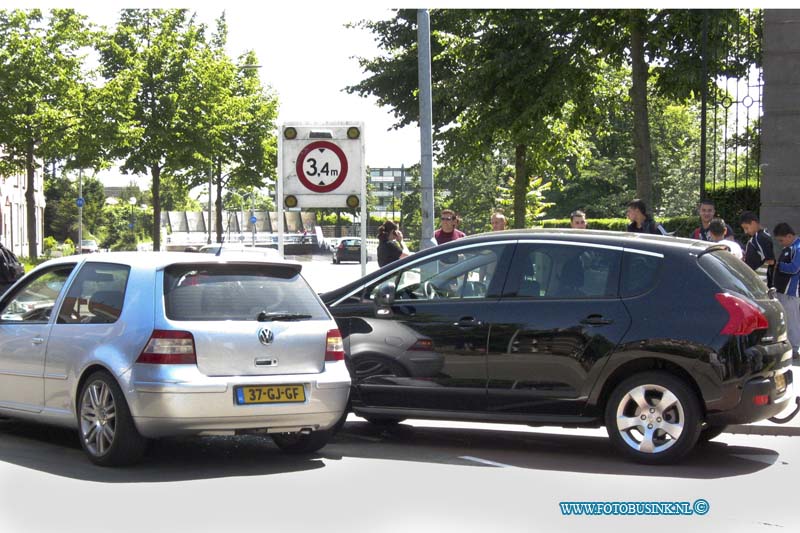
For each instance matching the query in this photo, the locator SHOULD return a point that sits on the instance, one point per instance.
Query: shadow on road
(538, 451)
(58, 452)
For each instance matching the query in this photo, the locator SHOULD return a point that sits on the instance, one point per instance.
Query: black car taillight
(168, 347)
(743, 317)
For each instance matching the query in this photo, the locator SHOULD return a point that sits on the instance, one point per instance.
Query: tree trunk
(520, 185)
(218, 202)
(641, 125)
(30, 200)
(155, 173)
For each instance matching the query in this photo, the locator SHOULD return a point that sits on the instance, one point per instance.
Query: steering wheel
(35, 315)
(430, 291)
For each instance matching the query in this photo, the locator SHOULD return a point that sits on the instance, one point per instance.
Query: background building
(13, 213)
(388, 184)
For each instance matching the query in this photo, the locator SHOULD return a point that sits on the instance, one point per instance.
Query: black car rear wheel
(653, 418)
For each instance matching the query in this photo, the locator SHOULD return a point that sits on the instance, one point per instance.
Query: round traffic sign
(321, 166)
(80, 202)
(253, 219)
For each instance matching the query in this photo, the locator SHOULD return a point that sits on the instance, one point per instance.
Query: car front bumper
(170, 401)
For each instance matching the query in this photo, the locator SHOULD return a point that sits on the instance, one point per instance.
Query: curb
(764, 430)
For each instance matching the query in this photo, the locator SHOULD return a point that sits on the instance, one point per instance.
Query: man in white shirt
(716, 231)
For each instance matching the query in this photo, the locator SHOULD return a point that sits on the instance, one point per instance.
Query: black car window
(96, 295)
(563, 271)
(34, 301)
(640, 273)
(733, 274)
(237, 292)
(464, 274)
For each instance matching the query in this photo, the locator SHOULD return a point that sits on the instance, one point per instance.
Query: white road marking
(484, 461)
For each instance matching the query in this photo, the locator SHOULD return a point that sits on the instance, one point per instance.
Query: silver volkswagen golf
(127, 347)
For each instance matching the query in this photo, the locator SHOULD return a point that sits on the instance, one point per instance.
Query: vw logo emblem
(265, 336)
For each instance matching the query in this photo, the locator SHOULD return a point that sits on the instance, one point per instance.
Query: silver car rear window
(237, 292)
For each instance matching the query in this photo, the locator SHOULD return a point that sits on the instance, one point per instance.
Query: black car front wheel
(653, 418)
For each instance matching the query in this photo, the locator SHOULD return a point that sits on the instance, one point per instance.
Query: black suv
(664, 341)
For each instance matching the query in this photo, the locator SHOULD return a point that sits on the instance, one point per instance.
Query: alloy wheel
(650, 418)
(98, 418)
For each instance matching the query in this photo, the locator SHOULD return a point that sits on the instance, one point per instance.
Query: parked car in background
(348, 249)
(664, 341)
(126, 347)
(88, 246)
(239, 250)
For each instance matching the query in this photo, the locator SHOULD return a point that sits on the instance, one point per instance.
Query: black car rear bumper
(748, 410)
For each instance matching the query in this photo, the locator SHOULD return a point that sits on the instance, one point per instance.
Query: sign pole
(279, 192)
(364, 216)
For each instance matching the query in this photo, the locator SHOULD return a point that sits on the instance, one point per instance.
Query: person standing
(787, 281)
(448, 232)
(707, 211)
(716, 232)
(499, 221)
(390, 243)
(577, 220)
(759, 250)
(641, 221)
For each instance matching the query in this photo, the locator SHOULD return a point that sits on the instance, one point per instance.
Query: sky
(306, 55)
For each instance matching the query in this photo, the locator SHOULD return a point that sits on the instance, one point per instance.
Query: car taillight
(743, 317)
(167, 347)
(334, 347)
(422, 345)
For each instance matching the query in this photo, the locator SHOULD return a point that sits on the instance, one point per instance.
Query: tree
(667, 46)
(154, 47)
(40, 85)
(499, 77)
(234, 119)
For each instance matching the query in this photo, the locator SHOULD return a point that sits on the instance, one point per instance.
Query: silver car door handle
(37, 340)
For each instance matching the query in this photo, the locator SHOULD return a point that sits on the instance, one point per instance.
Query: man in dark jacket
(641, 221)
(759, 250)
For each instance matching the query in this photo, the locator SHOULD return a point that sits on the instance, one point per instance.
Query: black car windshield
(237, 292)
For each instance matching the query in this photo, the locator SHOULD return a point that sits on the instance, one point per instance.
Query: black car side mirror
(384, 296)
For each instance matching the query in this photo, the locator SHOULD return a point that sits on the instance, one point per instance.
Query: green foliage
(68, 248)
(731, 202)
(682, 226)
(49, 244)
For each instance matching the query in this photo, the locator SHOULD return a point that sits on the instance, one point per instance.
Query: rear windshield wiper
(263, 316)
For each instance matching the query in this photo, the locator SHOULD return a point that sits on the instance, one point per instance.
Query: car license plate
(780, 382)
(270, 394)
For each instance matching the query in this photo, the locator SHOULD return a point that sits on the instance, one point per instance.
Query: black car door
(561, 318)
(427, 350)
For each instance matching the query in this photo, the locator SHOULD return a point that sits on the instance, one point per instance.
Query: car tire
(105, 425)
(653, 418)
(710, 432)
(298, 443)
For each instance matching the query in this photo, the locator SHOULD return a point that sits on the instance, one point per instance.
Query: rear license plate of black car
(253, 394)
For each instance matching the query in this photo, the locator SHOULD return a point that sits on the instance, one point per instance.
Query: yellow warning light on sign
(353, 132)
(352, 201)
(290, 133)
(290, 201)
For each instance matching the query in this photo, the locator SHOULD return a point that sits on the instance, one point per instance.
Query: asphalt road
(418, 476)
